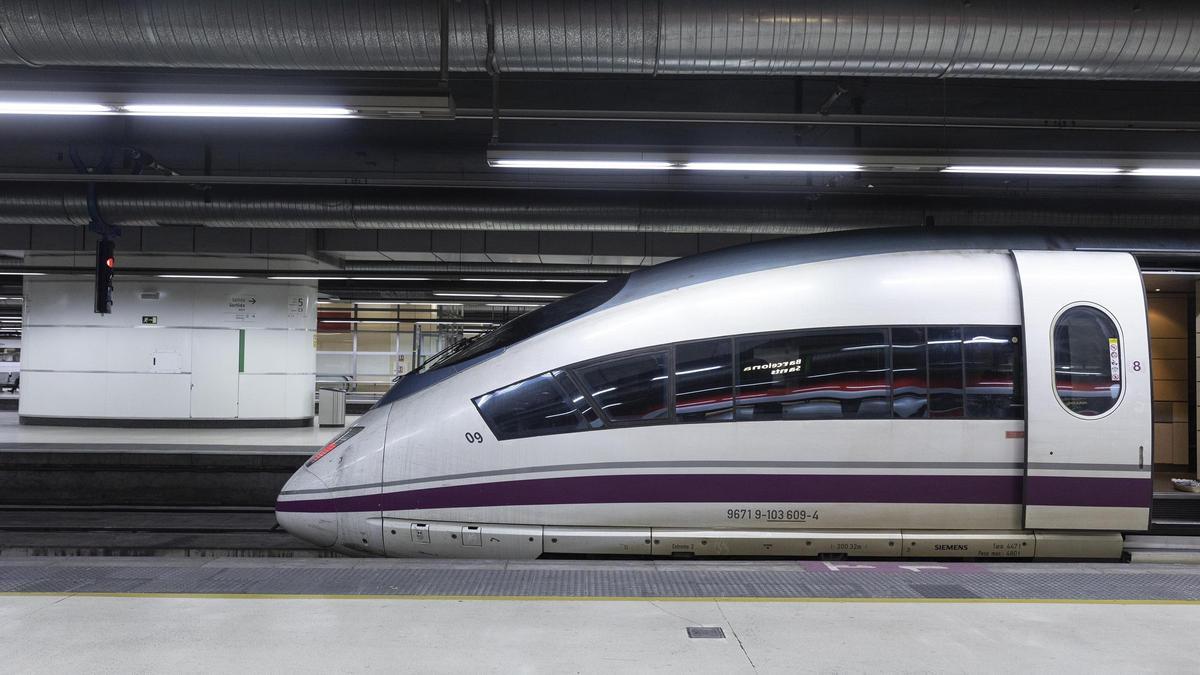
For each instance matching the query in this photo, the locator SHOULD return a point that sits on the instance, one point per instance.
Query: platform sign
(149, 320)
(242, 307)
(297, 306)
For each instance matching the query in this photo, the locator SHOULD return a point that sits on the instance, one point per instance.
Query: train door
(1088, 413)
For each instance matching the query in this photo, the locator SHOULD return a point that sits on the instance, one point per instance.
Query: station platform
(105, 466)
(15, 437)
(594, 616)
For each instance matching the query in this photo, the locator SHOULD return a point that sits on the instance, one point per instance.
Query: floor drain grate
(705, 632)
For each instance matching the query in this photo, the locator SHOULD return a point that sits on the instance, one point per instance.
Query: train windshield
(526, 325)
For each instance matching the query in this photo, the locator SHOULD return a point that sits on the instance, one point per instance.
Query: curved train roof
(773, 253)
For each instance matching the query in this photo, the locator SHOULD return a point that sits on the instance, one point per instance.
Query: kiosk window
(1087, 361)
(632, 389)
(813, 376)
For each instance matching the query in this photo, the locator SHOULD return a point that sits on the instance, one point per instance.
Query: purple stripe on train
(1081, 491)
(750, 488)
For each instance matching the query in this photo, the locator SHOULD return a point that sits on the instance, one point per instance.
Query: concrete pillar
(173, 352)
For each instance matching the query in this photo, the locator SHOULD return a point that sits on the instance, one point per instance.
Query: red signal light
(111, 262)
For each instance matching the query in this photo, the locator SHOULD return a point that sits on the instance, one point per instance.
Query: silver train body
(924, 395)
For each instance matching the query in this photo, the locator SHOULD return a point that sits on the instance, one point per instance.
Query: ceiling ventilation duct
(1070, 39)
(527, 211)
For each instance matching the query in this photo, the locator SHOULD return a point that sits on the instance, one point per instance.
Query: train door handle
(1141, 456)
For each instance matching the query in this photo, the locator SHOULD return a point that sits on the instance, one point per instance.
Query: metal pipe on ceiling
(137, 206)
(497, 211)
(1068, 39)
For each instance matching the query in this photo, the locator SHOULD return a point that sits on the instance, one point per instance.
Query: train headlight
(332, 445)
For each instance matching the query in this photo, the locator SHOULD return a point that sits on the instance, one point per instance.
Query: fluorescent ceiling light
(579, 164)
(290, 278)
(273, 111)
(515, 304)
(390, 279)
(52, 108)
(363, 303)
(770, 166)
(24, 274)
(1035, 170)
(539, 281)
(526, 296)
(197, 276)
(1183, 172)
(1178, 273)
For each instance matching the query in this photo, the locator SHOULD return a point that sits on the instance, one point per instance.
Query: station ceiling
(412, 193)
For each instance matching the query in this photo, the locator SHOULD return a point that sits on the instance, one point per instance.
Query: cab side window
(1087, 361)
(531, 407)
(630, 389)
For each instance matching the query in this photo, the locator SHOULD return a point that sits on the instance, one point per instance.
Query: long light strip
(1180, 172)
(53, 108)
(1035, 170)
(539, 281)
(580, 164)
(272, 111)
(771, 166)
(197, 276)
(523, 296)
(23, 274)
(733, 159)
(515, 304)
(307, 278)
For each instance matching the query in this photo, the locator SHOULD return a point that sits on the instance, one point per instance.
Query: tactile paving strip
(586, 579)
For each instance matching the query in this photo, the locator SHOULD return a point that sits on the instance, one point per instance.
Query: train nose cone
(298, 509)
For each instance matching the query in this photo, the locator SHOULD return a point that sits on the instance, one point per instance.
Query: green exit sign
(150, 320)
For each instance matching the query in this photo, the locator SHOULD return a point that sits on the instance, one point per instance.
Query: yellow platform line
(616, 598)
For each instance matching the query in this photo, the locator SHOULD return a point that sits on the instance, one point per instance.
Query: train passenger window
(630, 389)
(813, 376)
(992, 367)
(944, 346)
(910, 373)
(1087, 361)
(704, 381)
(531, 407)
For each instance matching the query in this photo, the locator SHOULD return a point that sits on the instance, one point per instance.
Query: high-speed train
(907, 393)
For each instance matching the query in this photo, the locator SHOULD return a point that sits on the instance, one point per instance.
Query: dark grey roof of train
(774, 253)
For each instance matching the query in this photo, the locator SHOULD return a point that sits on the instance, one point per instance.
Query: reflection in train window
(704, 381)
(945, 371)
(813, 376)
(992, 367)
(578, 400)
(910, 373)
(529, 408)
(632, 389)
(1087, 361)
